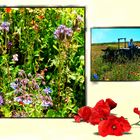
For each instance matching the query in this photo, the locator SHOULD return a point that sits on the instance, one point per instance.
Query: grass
(126, 70)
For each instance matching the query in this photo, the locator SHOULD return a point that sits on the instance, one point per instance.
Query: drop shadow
(113, 114)
(126, 133)
(77, 122)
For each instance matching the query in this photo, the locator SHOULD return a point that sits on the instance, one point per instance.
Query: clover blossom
(62, 32)
(5, 26)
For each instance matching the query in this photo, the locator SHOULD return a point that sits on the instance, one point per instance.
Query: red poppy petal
(96, 118)
(136, 111)
(111, 103)
(84, 112)
(77, 118)
(102, 107)
(103, 128)
(8, 10)
(113, 126)
(125, 124)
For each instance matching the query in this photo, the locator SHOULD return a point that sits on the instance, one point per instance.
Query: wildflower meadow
(42, 65)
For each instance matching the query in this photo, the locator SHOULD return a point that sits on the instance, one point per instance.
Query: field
(121, 69)
(42, 66)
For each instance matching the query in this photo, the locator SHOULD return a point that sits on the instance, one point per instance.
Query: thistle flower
(15, 57)
(5, 26)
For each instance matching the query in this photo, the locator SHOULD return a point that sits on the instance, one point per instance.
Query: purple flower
(18, 99)
(13, 85)
(1, 100)
(62, 32)
(24, 81)
(47, 90)
(46, 103)
(15, 57)
(5, 26)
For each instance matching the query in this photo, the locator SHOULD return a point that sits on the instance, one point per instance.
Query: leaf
(36, 53)
(55, 48)
(51, 113)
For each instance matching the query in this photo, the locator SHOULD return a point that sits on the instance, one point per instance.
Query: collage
(69, 70)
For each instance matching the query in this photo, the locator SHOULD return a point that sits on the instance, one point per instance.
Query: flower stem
(137, 123)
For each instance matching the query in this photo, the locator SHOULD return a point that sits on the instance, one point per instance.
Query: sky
(103, 35)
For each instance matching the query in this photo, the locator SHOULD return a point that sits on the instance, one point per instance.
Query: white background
(99, 13)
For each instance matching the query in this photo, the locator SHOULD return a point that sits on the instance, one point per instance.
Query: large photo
(42, 62)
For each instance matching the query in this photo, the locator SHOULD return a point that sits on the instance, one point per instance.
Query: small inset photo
(115, 54)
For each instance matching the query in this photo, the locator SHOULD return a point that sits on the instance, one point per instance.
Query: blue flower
(95, 76)
(18, 99)
(26, 101)
(47, 90)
